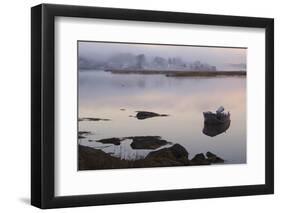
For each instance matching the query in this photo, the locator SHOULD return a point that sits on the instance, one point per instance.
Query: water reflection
(102, 95)
(215, 129)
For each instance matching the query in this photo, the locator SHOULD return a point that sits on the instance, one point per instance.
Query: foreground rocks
(176, 155)
(90, 158)
(141, 115)
(214, 158)
(199, 159)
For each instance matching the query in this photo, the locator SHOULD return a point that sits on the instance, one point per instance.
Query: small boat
(220, 117)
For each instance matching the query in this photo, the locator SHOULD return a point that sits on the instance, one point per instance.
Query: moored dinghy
(219, 117)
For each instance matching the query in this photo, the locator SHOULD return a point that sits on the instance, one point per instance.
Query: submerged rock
(115, 141)
(147, 142)
(93, 119)
(145, 114)
(82, 134)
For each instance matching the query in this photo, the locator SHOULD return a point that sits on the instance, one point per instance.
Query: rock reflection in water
(215, 129)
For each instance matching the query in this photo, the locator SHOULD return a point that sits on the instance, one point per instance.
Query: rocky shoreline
(176, 73)
(161, 153)
(176, 155)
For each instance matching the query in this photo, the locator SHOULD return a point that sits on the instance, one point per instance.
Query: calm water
(102, 95)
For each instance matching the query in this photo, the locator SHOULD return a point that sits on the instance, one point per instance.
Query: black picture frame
(43, 105)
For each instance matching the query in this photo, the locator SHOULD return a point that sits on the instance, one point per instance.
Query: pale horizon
(227, 58)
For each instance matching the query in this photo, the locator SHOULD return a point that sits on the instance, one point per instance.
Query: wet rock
(91, 158)
(200, 159)
(147, 142)
(175, 153)
(115, 141)
(179, 151)
(212, 158)
(145, 114)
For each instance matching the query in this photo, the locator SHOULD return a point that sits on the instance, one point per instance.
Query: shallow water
(103, 95)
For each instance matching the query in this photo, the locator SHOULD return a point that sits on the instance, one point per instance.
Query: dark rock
(115, 141)
(145, 114)
(91, 158)
(147, 142)
(210, 155)
(199, 159)
(199, 156)
(214, 158)
(179, 151)
(175, 153)
(81, 134)
(93, 119)
(84, 132)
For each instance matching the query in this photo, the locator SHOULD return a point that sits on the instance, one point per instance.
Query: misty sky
(219, 57)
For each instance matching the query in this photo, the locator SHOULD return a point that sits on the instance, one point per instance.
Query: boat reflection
(216, 123)
(215, 129)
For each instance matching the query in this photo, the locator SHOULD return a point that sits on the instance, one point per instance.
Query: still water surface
(103, 95)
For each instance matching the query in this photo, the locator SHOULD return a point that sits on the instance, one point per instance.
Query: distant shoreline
(176, 73)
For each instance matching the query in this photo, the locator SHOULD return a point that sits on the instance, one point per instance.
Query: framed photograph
(139, 106)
